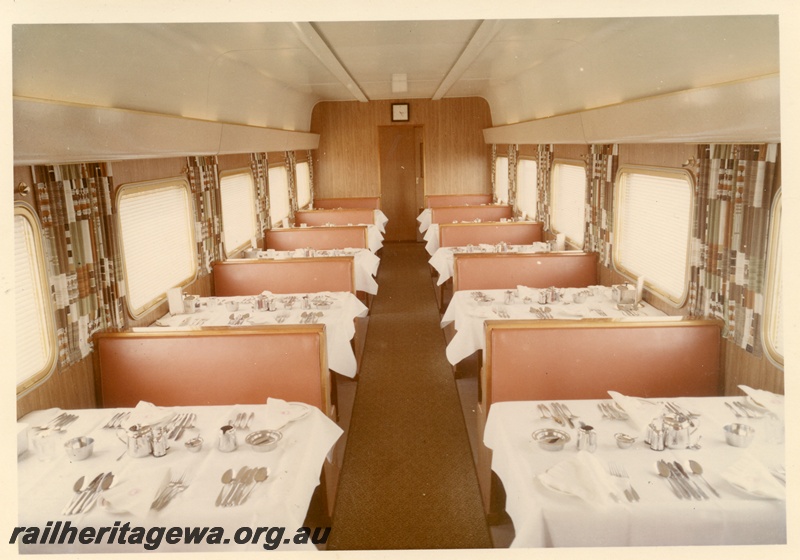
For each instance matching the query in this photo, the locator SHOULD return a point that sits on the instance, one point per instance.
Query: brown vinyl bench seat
(245, 277)
(490, 271)
(373, 202)
(335, 216)
(319, 238)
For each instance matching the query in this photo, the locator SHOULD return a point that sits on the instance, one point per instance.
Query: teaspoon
(77, 489)
(698, 470)
(261, 475)
(227, 477)
(664, 471)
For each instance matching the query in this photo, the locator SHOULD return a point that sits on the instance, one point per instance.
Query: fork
(59, 422)
(620, 472)
(173, 487)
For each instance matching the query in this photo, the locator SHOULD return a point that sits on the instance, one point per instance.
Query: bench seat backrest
(506, 271)
(513, 233)
(320, 238)
(246, 277)
(450, 214)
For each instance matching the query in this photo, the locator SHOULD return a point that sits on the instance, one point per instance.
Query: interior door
(399, 181)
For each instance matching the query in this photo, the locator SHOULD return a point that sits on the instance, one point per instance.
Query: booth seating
(496, 271)
(220, 367)
(336, 216)
(491, 213)
(373, 202)
(320, 238)
(492, 233)
(437, 200)
(563, 360)
(245, 277)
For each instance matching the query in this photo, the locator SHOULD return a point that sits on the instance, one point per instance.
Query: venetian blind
(238, 210)
(303, 184)
(501, 180)
(278, 195)
(526, 187)
(569, 201)
(156, 232)
(34, 347)
(653, 229)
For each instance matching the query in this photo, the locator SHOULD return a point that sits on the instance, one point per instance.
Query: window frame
(136, 313)
(274, 223)
(553, 199)
(508, 186)
(254, 214)
(47, 313)
(669, 172)
(773, 277)
(535, 162)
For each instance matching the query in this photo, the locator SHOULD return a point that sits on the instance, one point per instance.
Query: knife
(189, 422)
(558, 416)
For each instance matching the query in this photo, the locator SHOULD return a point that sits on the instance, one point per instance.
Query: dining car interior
(475, 278)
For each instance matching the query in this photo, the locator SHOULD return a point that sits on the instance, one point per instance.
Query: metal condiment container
(623, 293)
(160, 443)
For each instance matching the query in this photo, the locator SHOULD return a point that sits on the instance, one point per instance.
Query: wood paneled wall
(456, 158)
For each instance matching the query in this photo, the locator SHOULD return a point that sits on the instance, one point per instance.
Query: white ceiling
(272, 74)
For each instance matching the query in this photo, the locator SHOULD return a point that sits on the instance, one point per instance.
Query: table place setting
(722, 491)
(180, 486)
(469, 309)
(336, 310)
(442, 259)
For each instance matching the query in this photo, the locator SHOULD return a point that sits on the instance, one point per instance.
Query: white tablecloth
(543, 517)
(442, 259)
(46, 487)
(338, 320)
(468, 315)
(424, 220)
(381, 220)
(366, 263)
(431, 238)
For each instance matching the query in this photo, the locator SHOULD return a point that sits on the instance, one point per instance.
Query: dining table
(696, 491)
(442, 260)
(193, 481)
(366, 262)
(431, 235)
(336, 310)
(468, 310)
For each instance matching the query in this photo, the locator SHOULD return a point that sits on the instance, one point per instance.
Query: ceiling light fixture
(399, 83)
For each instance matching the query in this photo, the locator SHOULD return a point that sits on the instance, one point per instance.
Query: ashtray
(739, 435)
(263, 440)
(79, 448)
(624, 441)
(551, 439)
(195, 444)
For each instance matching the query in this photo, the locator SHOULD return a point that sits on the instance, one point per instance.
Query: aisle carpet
(408, 479)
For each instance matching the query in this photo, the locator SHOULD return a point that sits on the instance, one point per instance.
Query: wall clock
(399, 112)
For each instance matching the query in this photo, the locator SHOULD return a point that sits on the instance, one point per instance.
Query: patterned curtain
(735, 188)
(310, 179)
(544, 166)
(204, 182)
(513, 150)
(494, 171)
(601, 173)
(290, 171)
(75, 206)
(260, 169)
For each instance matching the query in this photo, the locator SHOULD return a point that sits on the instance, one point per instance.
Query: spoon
(261, 475)
(77, 489)
(227, 477)
(104, 485)
(664, 471)
(698, 470)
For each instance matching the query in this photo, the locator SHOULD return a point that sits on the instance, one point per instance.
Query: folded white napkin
(146, 414)
(583, 476)
(135, 489)
(279, 413)
(765, 399)
(749, 475)
(525, 291)
(640, 412)
(175, 299)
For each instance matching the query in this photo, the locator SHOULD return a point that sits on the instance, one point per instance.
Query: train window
(773, 312)
(568, 200)
(526, 187)
(278, 194)
(237, 192)
(501, 180)
(303, 172)
(156, 225)
(653, 228)
(35, 333)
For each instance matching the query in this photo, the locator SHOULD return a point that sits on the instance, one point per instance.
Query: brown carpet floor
(408, 480)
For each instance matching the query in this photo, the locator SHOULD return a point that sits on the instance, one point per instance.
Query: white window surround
(652, 229)
(34, 326)
(278, 194)
(303, 172)
(501, 179)
(568, 200)
(238, 202)
(157, 240)
(773, 310)
(527, 191)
